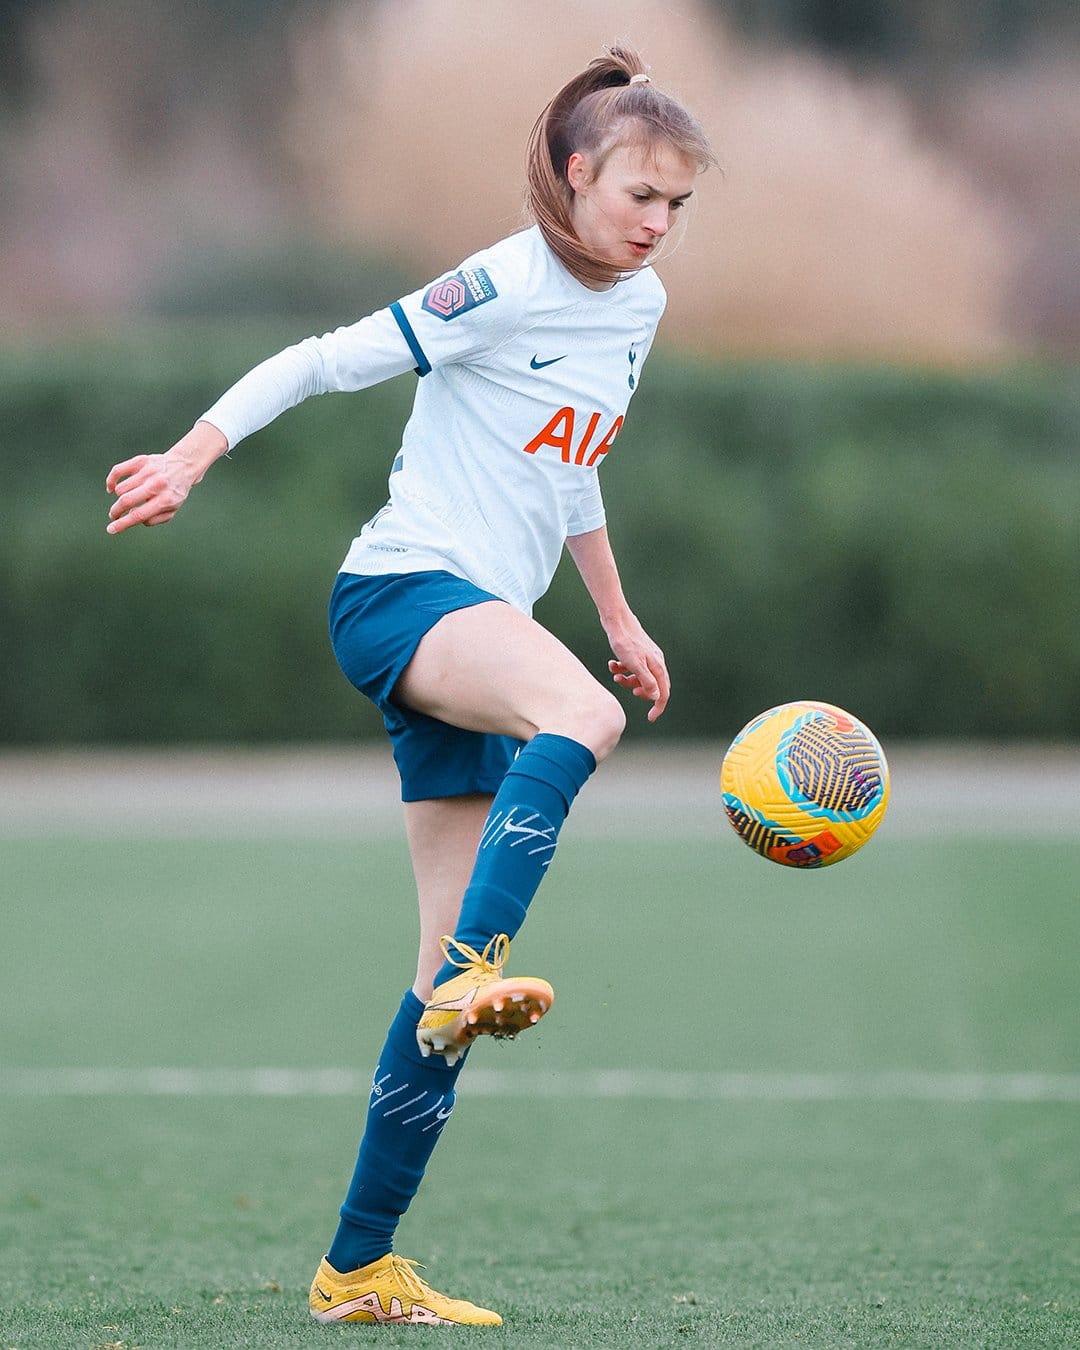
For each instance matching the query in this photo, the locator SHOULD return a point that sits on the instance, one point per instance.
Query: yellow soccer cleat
(389, 1290)
(479, 1001)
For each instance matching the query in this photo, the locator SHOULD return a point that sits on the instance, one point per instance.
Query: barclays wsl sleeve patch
(463, 291)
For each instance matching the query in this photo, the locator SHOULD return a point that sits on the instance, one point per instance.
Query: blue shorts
(376, 623)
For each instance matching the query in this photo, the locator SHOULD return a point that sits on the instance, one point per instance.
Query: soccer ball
(805, 784)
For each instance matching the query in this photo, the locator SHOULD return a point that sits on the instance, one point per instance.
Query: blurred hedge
(904, 544)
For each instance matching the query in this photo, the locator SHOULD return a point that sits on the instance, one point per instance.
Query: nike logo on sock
(510, 828)
(499, 830)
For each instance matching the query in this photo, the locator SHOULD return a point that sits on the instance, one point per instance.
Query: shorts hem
(488, 788)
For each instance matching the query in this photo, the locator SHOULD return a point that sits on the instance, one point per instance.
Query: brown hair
(594, 112)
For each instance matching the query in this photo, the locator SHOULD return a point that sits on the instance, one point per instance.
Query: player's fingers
(124, 470)
(136, 508)
(663, 679)
(653, 684)
(650, 676)
(126, 507)
(125, 522)
(154, 491)
(661, 682)
(131, 492)
(622, 675)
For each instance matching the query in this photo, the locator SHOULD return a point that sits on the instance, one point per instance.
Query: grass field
(847, 1111)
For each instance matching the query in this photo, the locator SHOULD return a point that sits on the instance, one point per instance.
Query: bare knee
(610, 725)
(596, 721)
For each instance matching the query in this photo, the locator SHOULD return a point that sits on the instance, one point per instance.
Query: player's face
(624, 211)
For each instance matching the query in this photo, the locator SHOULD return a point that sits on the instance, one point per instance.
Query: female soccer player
(528, 355)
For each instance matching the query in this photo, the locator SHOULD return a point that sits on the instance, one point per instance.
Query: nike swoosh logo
(510, 828)
(539, 365)
(328, 1297)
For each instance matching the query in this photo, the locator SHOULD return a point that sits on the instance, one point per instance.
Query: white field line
(645, 1085)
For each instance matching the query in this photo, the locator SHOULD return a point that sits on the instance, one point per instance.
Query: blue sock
(519, 839)
(411, 1098)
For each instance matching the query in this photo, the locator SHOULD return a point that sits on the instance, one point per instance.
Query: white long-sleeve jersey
(526, 375)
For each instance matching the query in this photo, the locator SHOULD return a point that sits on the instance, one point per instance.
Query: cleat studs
(498, 1005)
(534, 1018)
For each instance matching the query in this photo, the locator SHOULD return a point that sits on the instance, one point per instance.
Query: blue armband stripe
(423, 365)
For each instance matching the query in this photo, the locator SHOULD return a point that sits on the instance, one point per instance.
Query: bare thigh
(491, 668)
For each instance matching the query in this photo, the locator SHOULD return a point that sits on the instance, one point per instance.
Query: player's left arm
(639, 663)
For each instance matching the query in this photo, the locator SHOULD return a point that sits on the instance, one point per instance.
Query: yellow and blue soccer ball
(805, 784)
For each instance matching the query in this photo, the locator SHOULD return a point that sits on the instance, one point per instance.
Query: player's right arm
(413, 334)
(150, 489)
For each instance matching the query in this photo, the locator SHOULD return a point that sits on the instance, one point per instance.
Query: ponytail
(586, 116)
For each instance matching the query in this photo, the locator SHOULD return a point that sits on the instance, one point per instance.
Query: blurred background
(850, 473)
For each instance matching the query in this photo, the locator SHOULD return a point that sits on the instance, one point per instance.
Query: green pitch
(636, 1214)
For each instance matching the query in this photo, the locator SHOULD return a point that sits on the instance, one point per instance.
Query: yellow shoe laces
(489, 962)
(405, 1271)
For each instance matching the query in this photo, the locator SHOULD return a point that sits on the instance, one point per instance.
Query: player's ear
(578, 173)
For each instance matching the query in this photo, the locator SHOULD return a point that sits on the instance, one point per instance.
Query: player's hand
(639, 666)
(150, 489)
